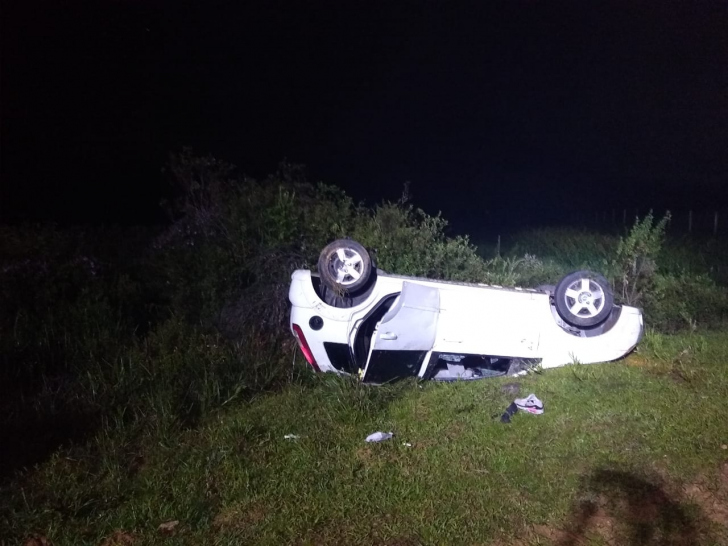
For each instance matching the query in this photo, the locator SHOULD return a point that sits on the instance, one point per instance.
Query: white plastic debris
(406, 444)
(379, 436)
(168, 527)
(291, 437)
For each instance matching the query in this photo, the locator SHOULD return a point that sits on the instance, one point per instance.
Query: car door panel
(488, 322)
(405, 334)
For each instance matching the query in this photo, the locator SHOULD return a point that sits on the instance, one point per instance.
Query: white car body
(427, 321)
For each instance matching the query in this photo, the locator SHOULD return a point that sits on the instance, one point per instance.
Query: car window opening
(459, 367)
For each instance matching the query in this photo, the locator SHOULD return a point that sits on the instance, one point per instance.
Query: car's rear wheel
(583, 299)
(345, 266)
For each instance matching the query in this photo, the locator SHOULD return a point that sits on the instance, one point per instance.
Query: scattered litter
(168, 527)
(407, 444)
(724, 446)
(462, 368)
(291, 437)
(510, 412)
(531, 404)
(379, 436)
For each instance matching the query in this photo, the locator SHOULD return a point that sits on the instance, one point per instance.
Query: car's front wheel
(345, 266)
(583, 299)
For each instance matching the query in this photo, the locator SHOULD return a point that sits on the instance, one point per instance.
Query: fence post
(690, 221)
(715, 224)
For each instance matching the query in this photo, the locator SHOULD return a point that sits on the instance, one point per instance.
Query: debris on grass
(291, 437)
(379, 436)
(168, 527)
(530, 404)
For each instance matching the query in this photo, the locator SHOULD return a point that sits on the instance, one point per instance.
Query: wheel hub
(583, 298)
(347, 267)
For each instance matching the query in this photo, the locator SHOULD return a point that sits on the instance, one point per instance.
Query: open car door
(405, 335)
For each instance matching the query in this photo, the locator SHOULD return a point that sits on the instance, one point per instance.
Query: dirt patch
(638, 361)
(711, 496)
(714, 508)
(623, 509)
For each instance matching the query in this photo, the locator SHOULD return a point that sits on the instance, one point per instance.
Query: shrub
(679, 302)
(635, 262)
(408, 241)
(178, 322)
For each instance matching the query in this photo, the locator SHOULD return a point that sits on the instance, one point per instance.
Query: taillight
(304, 346)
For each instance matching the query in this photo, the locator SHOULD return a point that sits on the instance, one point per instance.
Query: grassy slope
(635, 444)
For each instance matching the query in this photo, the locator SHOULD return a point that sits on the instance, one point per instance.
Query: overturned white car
(352, 318)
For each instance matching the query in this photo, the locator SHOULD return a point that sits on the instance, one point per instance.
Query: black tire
(583, 299)
(345, 277)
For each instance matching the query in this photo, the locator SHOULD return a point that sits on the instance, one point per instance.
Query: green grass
(636, 442)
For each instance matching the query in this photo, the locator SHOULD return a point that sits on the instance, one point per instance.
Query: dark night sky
(545, 107)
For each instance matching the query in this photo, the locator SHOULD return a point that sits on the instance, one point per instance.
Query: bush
(182, 320)
(635, 262)
(679, 302)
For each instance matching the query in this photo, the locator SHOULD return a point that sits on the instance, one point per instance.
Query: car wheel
(345, 266)
(583, 299)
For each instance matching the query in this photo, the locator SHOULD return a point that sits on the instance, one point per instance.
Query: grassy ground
(626, 453)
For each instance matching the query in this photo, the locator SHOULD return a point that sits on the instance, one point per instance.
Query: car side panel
(559, 347)
(490, 322)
